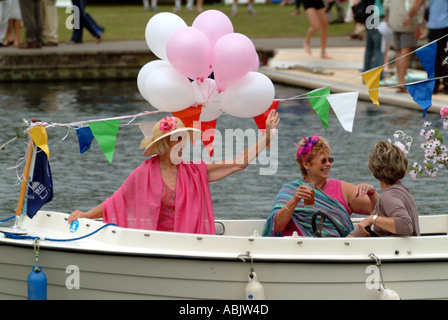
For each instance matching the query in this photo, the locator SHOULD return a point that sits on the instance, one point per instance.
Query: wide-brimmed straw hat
(162, 129)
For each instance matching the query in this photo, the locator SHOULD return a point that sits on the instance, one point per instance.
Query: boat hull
(118, 263)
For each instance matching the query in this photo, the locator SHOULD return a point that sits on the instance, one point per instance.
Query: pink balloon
(189, 52)
(233, 57)
(214, 24)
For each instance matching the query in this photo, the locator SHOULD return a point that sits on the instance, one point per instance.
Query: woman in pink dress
(166, 193)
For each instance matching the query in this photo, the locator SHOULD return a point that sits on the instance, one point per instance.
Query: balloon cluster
(189, 56)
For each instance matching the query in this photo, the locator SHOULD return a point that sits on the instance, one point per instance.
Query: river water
(83, 181)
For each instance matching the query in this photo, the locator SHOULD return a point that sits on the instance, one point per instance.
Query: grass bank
(129, 22)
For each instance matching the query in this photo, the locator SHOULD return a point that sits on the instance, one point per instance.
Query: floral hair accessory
(167, 124)
(307, 147)
(406, 139)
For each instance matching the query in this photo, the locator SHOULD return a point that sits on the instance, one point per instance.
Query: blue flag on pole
(40, 190)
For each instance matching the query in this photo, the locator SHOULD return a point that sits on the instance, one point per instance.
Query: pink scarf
(136, 204)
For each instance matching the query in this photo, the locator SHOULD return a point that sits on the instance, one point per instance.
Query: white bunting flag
(344, 106)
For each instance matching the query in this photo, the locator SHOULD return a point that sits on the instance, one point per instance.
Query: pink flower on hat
(167, 124)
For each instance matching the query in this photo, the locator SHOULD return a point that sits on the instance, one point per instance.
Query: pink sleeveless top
(334, 189)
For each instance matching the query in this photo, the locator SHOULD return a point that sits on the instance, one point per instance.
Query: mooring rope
(24, 237)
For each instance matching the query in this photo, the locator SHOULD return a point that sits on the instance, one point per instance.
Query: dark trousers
(85, 21)
(439, 68)
(32, 19)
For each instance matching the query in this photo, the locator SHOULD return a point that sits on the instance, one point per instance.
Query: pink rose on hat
(167, 124)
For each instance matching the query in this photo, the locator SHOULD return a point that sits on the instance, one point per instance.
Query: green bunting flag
(105, 132)
(320, 104)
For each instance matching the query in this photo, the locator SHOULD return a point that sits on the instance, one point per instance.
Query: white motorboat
(109, 262)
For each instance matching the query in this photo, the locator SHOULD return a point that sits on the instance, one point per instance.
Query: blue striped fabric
(302, 215)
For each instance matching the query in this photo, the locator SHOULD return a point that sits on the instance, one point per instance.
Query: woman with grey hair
(396, 213)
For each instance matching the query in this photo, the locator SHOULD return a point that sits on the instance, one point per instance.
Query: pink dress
(167, 209)
(138, 202)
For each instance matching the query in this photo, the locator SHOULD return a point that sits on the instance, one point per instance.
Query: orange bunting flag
(208, 129)
(190, 116)
(260, 120)
(372, 80)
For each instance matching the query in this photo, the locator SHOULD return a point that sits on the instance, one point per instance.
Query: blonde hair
(387, 162)
(321, 146)
(162, 146)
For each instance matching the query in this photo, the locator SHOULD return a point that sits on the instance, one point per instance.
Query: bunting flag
(40, 138)
(146, 128)
(208, 128)
(320, 104)
(260, 120)
(40, 189)
(105, 132)
(372, 80)
(190, 116)
(422, 93)
(85, 137)
(344, 106)
(427, 56)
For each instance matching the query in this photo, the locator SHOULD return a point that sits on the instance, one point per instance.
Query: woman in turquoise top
(336, 198)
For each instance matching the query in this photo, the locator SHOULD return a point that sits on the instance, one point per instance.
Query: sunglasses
(324, 160)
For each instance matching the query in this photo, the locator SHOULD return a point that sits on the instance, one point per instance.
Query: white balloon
(208, 95)
(159, 29)
(145, 72)
(249, 96)
(168, 90)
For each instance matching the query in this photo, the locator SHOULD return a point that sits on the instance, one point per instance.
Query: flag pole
(15, 229)
(24, 186)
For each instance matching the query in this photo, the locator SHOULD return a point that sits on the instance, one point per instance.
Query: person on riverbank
(338, 199)
(438, 28)
(166, 193)
(316, 13)
(373, 56)
(405, 36)
(250, 8)
(395, 213)
(14, 20)
(85, 21)
(31, 11)
(50, 28)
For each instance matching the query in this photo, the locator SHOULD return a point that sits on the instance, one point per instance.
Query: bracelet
(374, 219)
(371, 192)
(286, 206)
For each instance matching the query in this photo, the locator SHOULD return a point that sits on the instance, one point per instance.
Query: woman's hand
(271, 124)
(75, 215)
(363, 224)
(302, 192)
(363, 189)
(95, 213)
